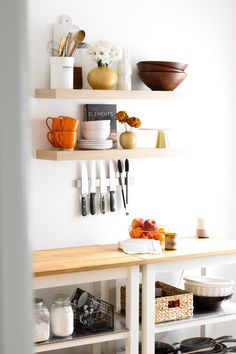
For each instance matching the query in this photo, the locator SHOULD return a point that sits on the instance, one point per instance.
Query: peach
(150, 225)
(137, 222)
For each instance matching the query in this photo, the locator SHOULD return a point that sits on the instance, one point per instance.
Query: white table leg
(132, 310)
(148, 309)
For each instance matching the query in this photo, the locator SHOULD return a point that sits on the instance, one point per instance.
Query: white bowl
(96, 123)
(208, 286)
(96, 134)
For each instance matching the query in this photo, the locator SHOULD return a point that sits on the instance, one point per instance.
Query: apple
(150, 225)
(137, 222)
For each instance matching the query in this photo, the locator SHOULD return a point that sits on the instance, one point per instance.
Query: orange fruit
(136, 232)
(161, 237)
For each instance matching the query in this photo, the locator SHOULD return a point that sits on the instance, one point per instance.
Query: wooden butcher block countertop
(86, 258)
(80, 259)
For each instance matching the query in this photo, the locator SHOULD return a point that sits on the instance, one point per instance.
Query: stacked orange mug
(63, 132)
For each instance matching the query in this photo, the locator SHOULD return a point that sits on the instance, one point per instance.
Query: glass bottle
(41, 321)
(62, 319)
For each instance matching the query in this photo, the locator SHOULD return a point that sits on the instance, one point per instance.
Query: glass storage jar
(41, 321)
(62, 319)
(170, 241)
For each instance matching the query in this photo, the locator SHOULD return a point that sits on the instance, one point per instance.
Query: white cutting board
(62, 28)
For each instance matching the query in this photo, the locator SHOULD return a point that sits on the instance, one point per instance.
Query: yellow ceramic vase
(128, 140)
(102, 78)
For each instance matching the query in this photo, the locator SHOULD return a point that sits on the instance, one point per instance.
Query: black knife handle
(83, 206)
(112, 201)
(92, 203)
(102, 203)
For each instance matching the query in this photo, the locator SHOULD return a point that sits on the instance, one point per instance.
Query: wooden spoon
(68, 43)
(79, 37)
(61, 47)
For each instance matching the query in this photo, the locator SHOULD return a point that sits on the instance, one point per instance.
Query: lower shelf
(226, 313)
(120, 332)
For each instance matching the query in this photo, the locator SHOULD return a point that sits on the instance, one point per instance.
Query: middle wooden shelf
(59, 155)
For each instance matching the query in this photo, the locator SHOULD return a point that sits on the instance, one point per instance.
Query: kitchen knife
(103, 188)
(92, 201)
(112, 184)
(126, 178)
(84, 188)
(120, 169)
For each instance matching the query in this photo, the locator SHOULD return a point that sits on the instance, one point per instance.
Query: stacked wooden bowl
(162, 75)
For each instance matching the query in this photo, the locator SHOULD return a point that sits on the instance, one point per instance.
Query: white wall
(173, 191)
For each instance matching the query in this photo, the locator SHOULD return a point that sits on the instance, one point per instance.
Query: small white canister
(61, 72)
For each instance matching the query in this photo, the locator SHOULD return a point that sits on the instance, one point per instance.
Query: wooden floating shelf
(103, 94)
(59, 155)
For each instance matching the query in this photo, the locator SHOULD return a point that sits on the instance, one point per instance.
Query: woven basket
(174, 304)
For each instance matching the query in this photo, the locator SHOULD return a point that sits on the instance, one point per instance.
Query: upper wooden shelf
(102, 94)
(59, 155)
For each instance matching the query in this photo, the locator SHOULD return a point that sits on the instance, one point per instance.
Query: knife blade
(112, 184)
(120, 169)
(84, 188)
(92, 200)
(103, 187)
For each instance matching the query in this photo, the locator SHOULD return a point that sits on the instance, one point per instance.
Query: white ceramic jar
(62, 319)
(61, 72)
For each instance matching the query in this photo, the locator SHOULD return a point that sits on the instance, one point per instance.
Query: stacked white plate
(95, 144)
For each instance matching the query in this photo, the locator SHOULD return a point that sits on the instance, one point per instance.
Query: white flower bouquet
(104, 53)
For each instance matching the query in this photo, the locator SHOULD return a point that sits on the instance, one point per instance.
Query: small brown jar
(170, 241)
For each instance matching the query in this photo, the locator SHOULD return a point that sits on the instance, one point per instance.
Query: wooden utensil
(61, 47)
(69, 39)
(79, 37)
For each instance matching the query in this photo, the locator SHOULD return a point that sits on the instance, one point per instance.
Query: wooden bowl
(162, 80)
(154, 67)
(169, 64)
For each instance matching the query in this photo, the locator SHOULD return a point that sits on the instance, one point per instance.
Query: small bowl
(96, 123)
(96, 134)
(163, 80)
(170, 64)
(142, 66)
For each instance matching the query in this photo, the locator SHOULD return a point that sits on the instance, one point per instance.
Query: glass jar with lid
(41, 321)
(170, 241)
(62, 319)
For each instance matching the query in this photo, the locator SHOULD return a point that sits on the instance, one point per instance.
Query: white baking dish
(208, 286)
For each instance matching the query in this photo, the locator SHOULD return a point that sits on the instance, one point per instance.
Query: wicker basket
(174, 304)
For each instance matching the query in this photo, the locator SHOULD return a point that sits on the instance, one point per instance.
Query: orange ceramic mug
(56, 123)
(62, 123)
(52, 139)
(67, 139)
(69, 123)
